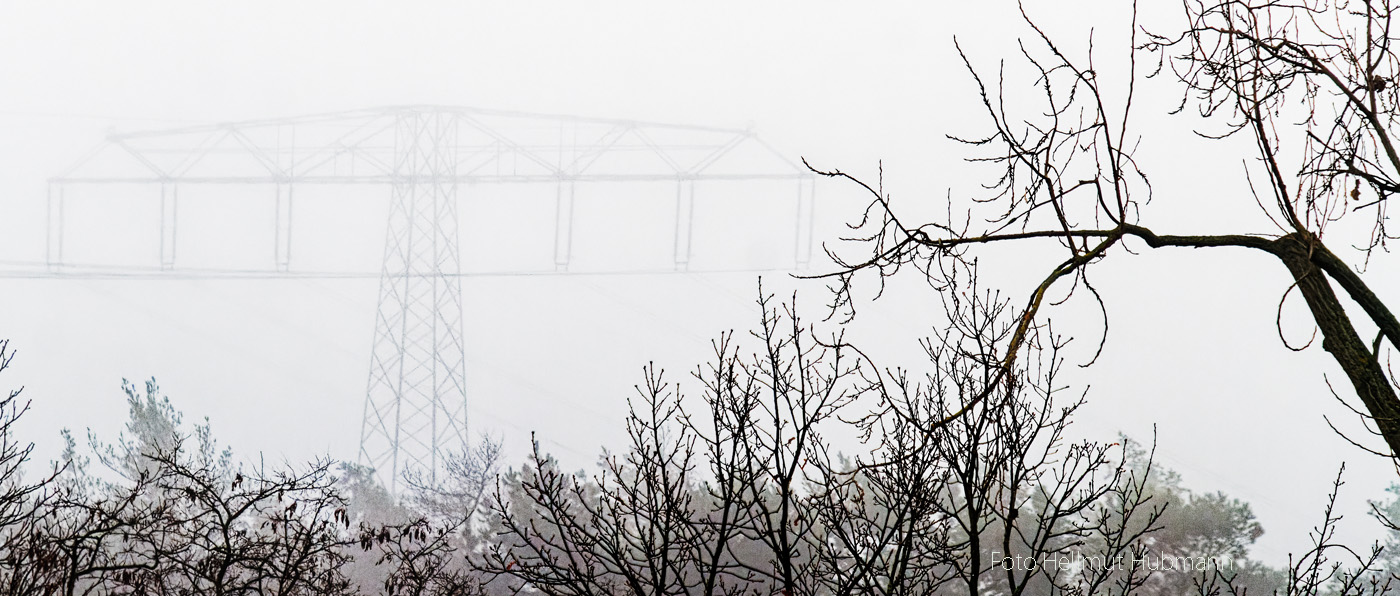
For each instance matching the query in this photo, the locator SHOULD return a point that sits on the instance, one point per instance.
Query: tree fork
(1339, 336)
(1310, 263)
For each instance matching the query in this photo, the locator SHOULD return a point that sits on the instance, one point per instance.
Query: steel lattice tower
(415, 405)
(415, 401)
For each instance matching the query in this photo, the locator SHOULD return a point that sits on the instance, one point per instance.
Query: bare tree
(1309, 83)
(751, 495)
(421, 558)
(631, 530)
(710, 504)
(456, 497)
(28, 564)
(169, 511)
(1328, 567)
(173, 515)
(257, 531)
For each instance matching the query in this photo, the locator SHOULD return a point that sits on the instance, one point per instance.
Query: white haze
(280, 365)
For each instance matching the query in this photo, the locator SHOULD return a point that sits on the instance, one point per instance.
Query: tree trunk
(1339, 337)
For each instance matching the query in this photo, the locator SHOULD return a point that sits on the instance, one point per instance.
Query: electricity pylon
(415, 406)
(415, 401)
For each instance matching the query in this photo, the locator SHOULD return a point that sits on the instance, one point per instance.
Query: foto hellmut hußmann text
(1075, 561)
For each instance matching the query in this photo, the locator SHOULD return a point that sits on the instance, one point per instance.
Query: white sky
(280, 365)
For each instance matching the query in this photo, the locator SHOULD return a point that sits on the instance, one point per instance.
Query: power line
(78, 116)
(152, 274)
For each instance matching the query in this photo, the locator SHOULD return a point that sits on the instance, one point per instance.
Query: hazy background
(280, 366)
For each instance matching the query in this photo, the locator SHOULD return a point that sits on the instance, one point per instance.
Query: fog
(279, 365)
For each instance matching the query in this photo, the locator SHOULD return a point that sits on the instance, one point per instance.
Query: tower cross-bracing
(415, 406)
(415, 401)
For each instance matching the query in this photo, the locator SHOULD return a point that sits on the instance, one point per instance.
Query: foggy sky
(280, 366)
